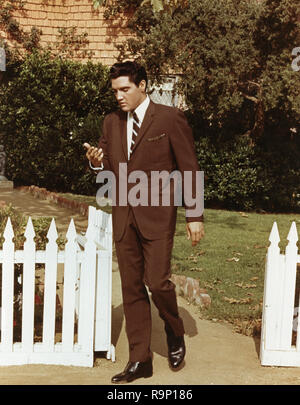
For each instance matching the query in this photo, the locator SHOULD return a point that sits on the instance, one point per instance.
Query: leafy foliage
(19, 221)
(243, 177)
(157, 5)
(49, 108)
(71, 45)
(29, 40)
(234, 61)
(234, 58)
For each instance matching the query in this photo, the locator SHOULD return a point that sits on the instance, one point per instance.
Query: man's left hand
(195, 231)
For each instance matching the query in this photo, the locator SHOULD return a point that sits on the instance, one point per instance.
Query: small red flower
(37, 299)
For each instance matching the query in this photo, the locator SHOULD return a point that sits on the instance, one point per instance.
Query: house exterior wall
(50, 15)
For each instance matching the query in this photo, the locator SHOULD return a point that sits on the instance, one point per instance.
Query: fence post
(103, 284)
(271, 307)
(288, 288)
(28, 293)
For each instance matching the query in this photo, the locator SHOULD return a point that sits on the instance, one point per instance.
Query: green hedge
(48, 109)
(245, 177)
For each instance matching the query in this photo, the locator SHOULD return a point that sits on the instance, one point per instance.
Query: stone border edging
(187, 287)
(190, 289)
(38, 192)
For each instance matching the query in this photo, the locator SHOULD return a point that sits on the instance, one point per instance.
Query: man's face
(128, 95)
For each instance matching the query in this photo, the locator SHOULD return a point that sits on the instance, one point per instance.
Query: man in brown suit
(146, 137)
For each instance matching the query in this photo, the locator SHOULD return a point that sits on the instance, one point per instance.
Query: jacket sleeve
(104, 143)
(183, 146)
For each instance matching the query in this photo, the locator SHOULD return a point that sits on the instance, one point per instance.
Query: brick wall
(49, 15)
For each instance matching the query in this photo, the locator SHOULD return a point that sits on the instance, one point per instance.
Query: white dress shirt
(140, 112)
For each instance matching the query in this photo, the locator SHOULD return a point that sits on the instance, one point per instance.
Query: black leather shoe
(134, 370)
(176, 350)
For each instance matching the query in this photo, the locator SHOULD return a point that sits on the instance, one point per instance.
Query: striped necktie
(135, 130)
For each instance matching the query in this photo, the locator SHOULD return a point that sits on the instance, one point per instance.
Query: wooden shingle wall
(50, 15)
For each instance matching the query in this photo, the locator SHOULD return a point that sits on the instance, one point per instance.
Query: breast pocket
(158, 148)
(156, 138)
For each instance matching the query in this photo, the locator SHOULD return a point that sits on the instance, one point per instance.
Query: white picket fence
(87, 264)
(280, 313)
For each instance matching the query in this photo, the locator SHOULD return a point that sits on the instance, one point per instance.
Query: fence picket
(7, 289)
(69, 290)
(271, 295)
(28, 289)
(289, 288)
(102, 325)
(50, 289)
(87, 292)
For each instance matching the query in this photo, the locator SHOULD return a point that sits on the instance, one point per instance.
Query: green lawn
(229, 262)
(91, 200)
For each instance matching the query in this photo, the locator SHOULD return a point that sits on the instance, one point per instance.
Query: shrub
(19, 222)
(245, 177)
(48, 110)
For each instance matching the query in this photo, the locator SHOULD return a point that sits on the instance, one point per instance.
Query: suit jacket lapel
(123, 133)
(147, 121)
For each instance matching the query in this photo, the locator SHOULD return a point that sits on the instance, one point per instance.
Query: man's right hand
(94, 155)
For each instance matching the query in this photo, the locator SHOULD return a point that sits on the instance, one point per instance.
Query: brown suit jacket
(165, 142)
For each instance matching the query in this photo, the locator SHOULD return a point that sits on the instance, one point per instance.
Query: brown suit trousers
(145, 262)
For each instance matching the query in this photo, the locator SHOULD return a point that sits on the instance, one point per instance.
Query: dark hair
(133, 70)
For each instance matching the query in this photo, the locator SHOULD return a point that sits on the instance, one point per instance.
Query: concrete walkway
(215, 354)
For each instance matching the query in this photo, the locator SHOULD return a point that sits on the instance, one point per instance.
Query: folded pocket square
(156, 138)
